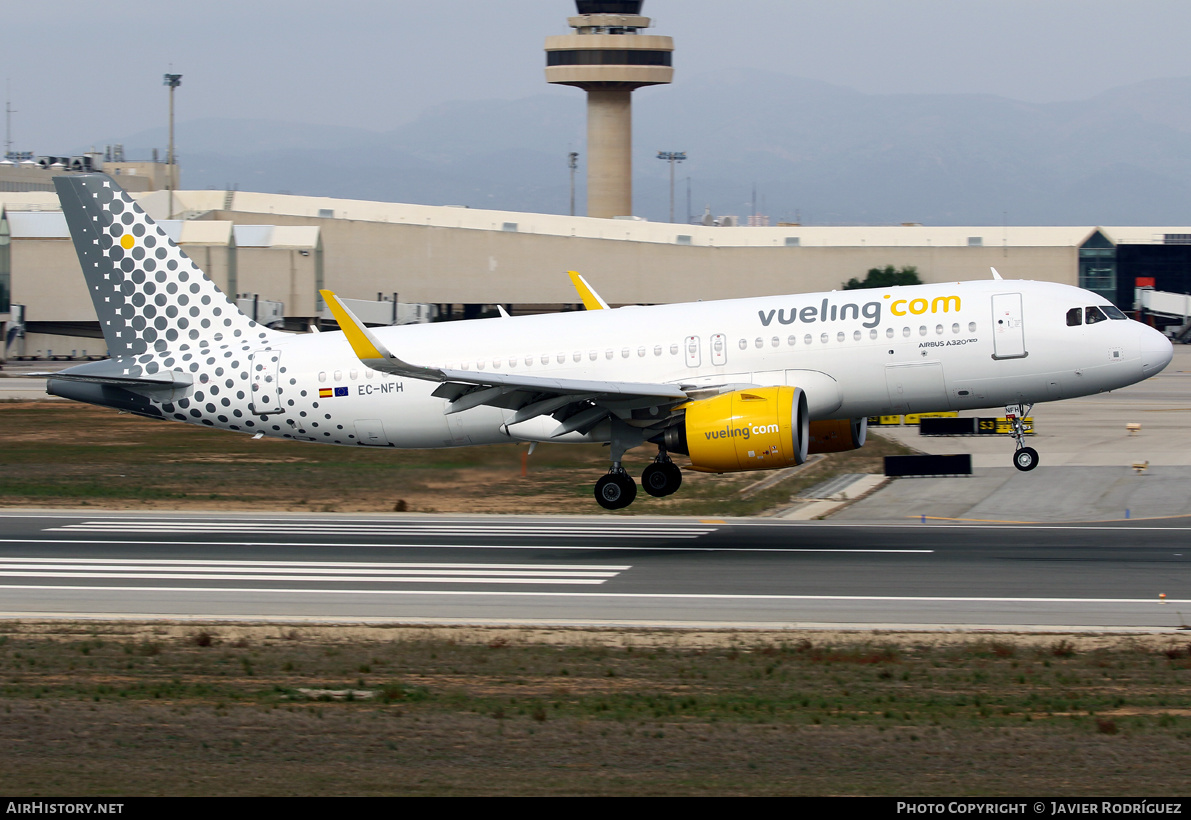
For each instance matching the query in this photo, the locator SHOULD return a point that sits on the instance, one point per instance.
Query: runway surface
(594, 570)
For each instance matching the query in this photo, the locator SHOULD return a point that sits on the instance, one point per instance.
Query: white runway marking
(348, 528)
(439, 546)
(345, 572)
(621, 595)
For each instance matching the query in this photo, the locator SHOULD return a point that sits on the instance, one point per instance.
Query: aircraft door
(691, 348)
(265, 397)
(719, 349)
(1009, 340)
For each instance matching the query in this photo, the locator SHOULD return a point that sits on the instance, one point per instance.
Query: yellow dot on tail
(127, 241)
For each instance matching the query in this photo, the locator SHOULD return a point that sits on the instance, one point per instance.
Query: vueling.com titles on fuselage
(871, 311)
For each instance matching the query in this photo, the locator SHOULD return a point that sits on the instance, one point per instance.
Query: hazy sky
(85, 72)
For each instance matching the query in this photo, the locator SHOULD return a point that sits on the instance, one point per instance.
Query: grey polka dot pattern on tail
(160, 313)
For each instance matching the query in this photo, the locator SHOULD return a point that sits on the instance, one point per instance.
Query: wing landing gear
(1025, 458)
(662, 478)
(616, 490)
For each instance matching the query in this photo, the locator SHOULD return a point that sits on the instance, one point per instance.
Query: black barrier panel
(947, 427)
(902, 466)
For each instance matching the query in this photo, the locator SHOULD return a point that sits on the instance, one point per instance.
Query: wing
(579, 404)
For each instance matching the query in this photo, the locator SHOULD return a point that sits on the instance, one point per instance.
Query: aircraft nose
(1156, 351)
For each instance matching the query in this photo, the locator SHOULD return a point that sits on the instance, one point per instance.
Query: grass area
(66, 454)
(218, 709)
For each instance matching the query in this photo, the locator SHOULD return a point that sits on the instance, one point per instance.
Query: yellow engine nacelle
(759, 429)
(837, 435)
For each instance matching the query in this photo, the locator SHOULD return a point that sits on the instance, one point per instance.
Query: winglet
(591, 299)
(369, 349)
(996, 275)
(363, 343)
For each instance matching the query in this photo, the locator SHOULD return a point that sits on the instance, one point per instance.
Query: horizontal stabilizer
(127, 374)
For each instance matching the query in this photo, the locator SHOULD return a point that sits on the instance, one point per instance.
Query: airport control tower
(608, 59)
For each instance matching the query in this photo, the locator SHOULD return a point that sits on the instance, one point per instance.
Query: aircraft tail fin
(147, 293)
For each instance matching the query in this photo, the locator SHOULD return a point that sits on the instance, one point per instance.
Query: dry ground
(127, 709)
(66, 454)
(181, 709)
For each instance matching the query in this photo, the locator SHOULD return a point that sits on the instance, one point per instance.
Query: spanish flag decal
(325, 393)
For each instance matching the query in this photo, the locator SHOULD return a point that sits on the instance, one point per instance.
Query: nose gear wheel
(1025, 458)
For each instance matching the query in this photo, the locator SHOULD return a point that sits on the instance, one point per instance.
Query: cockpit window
(1113, 312)
(1075, 317)
(1093, 314)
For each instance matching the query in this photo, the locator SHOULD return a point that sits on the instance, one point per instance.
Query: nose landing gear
(1025, 458)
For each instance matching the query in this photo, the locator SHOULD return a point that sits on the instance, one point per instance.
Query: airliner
(734, 385)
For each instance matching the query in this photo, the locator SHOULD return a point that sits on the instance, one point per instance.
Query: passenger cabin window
(1075, 317)
(1093, 314)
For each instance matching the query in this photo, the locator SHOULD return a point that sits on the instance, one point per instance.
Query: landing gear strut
(616, 490)
(1026, 458)
(662, 478)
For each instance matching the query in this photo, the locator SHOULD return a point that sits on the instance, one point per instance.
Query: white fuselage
(855, 353)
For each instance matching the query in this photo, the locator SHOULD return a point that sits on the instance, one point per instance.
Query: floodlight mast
(672, 157)
(173, 81)
(608, 59)
(573, 163)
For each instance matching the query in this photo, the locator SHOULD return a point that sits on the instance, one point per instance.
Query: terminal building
(403, 262)
(274, 252)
